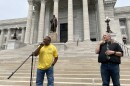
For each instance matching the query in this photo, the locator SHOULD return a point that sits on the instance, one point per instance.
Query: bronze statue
(108, 29)
(15, 35)
(53, 22)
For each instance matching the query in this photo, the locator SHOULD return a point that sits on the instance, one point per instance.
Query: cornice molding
(31, 2)
(13, 21)
(122, 10)
(108, 2)
(56, 0)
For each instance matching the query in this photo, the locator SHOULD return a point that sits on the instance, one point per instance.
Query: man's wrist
(114, 53)
(52, 64)
(99, 44)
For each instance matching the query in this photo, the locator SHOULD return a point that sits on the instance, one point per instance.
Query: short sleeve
(119, 48)
(55, 53)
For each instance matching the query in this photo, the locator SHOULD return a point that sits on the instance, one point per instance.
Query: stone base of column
(87, 41)
(70, 41)
(54, 37)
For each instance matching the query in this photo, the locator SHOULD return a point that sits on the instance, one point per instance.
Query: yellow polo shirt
(46, 56)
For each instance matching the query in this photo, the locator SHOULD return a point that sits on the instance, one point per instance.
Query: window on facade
(19, 31)
(5, 39)
(123, 31)
(123, 26)
(122, 22)
(5, 31)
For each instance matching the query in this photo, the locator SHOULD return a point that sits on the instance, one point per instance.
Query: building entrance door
(63, 32)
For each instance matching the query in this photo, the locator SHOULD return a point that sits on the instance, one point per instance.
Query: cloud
(10, 9)
(121, 3)
(13, 9)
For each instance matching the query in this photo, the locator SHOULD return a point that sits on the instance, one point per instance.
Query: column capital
(43, 0)
(36, 7)
(30, 2)
(56, 0)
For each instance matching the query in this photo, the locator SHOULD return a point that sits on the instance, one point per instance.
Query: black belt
(109, 63)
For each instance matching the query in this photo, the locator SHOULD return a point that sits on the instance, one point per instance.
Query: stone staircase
(68, 72)
(77, 66)
(82, 50)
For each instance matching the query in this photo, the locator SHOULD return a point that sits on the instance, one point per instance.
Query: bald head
(107, 37)
(47, 40)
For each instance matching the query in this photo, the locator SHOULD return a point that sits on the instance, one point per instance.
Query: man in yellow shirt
(48, 56)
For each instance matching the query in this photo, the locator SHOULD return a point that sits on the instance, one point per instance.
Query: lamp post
(107, 20)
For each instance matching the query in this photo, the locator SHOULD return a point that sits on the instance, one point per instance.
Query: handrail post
(77, 41)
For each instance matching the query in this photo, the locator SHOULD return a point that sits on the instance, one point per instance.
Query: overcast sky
(10, 9)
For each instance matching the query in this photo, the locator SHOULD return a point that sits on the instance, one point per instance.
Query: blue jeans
(110, 70)
(40, 77)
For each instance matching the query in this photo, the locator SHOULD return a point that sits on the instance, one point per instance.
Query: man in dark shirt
(110, 54)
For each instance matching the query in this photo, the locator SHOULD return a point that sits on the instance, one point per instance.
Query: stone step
(124, 76)
(63, 72)
(27, 83)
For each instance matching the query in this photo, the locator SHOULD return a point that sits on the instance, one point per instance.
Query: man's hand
(42, 44)
(109, 52)
(101, 42)
(32, 54)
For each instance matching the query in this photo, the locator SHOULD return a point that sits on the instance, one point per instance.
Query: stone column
(8, 35)
(101, 14)
(117, 31)
(86, 21)
(128, 27)
(23, 34)
(29, 22)
(32, 29)
(1, 37)
(41, 22)
(34, 32)
(56, 6)
(35, 25)
(70, 20)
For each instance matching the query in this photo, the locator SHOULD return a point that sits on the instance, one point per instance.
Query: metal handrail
(125, 48)
(77, 41)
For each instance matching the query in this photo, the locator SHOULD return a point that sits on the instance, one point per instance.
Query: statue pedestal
(11, 44)
(53, 36)
(14, 44)
(117, 37)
